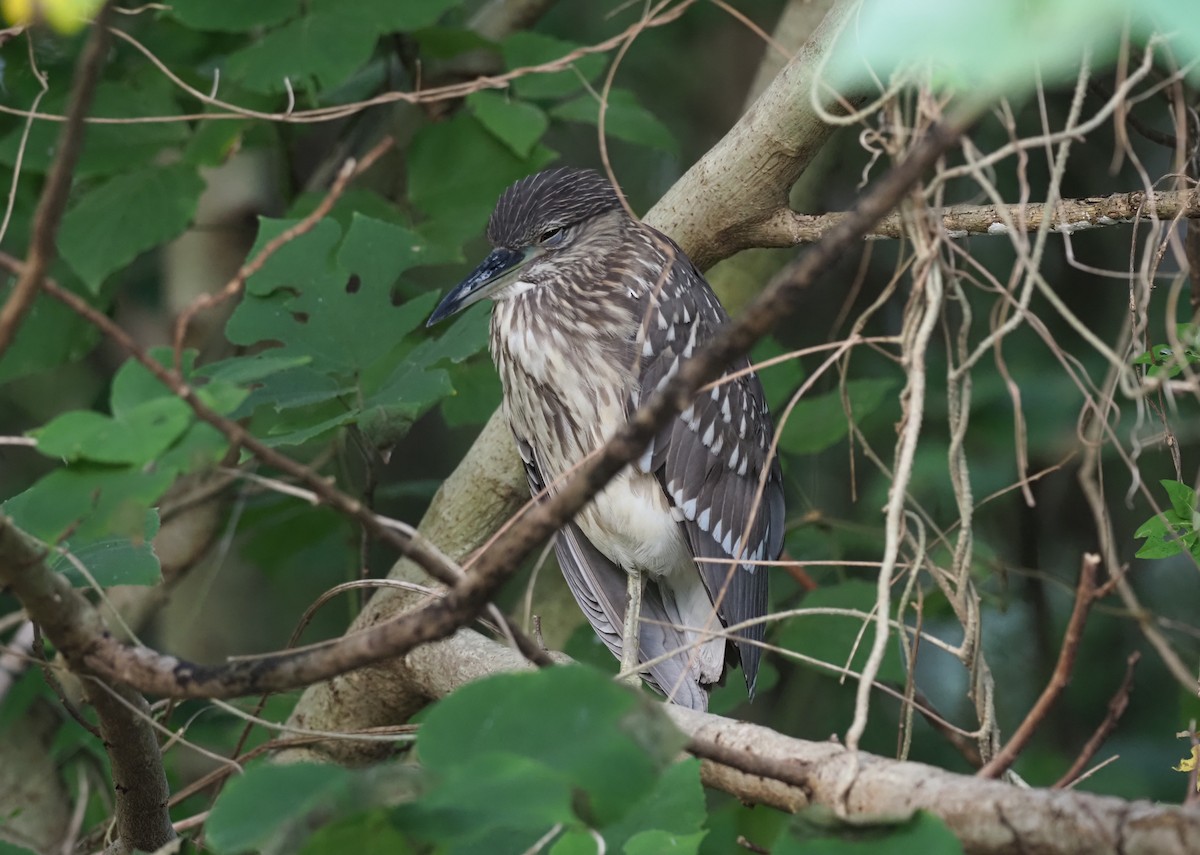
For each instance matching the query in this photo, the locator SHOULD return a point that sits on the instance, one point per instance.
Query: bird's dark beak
(496, 270)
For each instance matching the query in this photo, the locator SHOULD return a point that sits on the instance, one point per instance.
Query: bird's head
(539, 223)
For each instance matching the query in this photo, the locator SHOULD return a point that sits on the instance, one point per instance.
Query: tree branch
(68, 619)
(786, 228)
(1116, 709)
(53, 200)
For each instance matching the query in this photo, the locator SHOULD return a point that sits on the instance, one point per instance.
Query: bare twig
(350, 170)
(53, 201)
(1116, 709)
(1084, 597)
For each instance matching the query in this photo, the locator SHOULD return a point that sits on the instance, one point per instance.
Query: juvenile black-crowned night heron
(593, 311)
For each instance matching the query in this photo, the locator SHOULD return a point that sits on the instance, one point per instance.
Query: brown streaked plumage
(592, 311)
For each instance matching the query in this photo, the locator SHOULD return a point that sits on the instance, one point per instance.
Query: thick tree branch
(787, 228)
(53, 201)
(66, 618)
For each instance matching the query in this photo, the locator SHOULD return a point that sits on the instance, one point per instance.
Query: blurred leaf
(656, 842)
(66, 16)
(517, 124)
(625, 119)
(49, 336)
(232, 17)
(525, 49)
(819, 421)
(830, 638)
(254, 805)
(990, 49)
(457, 170)
(114, 560)
(675, 806)
(108, 149)
(566, 742)
(369, 831)
(1183, 498)
(328, 42)
(110, 225)
(923, 834)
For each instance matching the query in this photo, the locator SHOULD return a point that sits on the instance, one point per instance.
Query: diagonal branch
(53, 200)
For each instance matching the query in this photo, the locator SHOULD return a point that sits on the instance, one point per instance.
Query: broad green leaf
(232, 16)
(114, 560)
(139, 436)
(457, 170)
(107, 148)
(658, 842)
(100, 514)
(368, 831)
(830, 638)
(255, 805)
(992, 48)
(377, 252)
(526, 49)
(328, 42)
(674, 807)
(316, 309)
(490, 796)
(517, 124)
(819, 421)
(110, 225)
(89, 502)
(625, 119)
(49, 336)
(607, 741)
(923, 834)
(1183, 498)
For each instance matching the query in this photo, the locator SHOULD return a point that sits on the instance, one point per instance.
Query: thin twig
(1084, 597)
(1116, 708)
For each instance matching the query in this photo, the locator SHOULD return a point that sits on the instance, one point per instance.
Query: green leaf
(923, 834)
(327, 43)
(368, 831)
(253, 806)
(517, 124)
(231, 16)
(110, 225)
(114, 560)
(107, 148)
(607, 741)
(625, 119)
(139, 436)
(1183, 498)
(830, 638)
(657, 842)
(990, 48)
(457, 169)
(819, 421)
(101, 515)
(7, 848)
(525, 49)
(49, 336)
(674, 807)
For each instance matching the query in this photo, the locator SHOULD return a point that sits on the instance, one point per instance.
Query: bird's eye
(552, 237)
